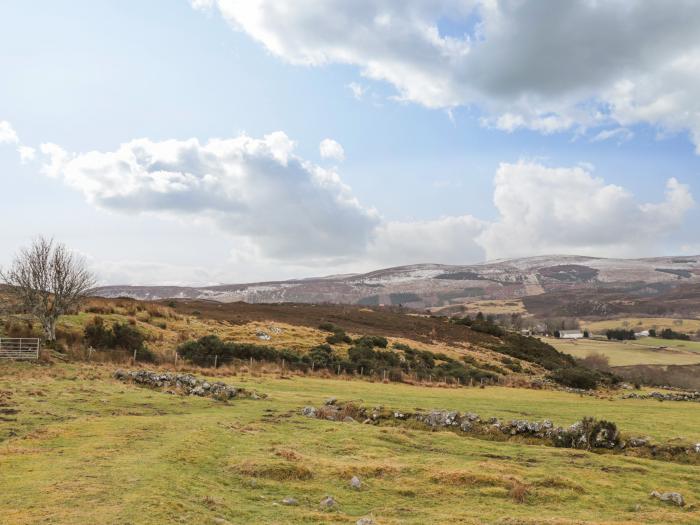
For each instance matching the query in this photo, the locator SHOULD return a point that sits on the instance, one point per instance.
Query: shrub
(576, 377)
(97, 335)
(372, 341)
(620, 334)
(328, 327)
(527, 348)
(338, 337)
(667, 333)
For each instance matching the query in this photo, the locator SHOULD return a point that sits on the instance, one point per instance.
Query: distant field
(640, 352)
(83, 448)
(644, 323)
(495, 307)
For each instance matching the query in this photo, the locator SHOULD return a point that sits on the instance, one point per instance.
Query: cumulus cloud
(7, 133)
(277, 207)
(330, 149)
(544, 210)
(544, 65)
(254, 188)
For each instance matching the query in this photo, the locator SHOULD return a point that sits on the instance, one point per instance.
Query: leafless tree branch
(49, 280)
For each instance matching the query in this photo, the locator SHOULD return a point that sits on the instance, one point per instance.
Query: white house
(570, 334)
(643, 333)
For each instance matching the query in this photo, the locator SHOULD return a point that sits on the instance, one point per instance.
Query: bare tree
(49, 280)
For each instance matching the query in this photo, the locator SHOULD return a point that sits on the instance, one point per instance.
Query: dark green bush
(576, 377)
(620, 334)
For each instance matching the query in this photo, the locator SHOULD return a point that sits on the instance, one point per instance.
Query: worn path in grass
(84, 448)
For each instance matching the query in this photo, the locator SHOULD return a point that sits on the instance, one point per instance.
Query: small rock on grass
(671, 497)
(364, 521)
(290, 501)
(355, 483)
(328, 503)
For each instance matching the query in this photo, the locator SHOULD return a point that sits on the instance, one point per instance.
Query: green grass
(87, 449)
(639, 352)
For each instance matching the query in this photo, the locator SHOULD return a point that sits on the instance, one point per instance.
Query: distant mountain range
(445, 287)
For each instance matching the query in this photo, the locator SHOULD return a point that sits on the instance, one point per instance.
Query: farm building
(570, 334)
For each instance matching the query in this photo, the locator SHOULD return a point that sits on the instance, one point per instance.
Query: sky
(225, 141)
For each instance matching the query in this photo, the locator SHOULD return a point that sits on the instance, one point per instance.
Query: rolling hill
(438, 286)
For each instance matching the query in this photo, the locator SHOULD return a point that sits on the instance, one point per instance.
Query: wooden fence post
(134, 356)
(216, 361)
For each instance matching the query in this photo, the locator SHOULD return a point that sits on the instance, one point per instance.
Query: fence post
(175, 358)
(338, 370)
(362, 370)
(216, 361)
(312, 365)
(90, 353)
(385, 374)
(251, 363)
(134, 356)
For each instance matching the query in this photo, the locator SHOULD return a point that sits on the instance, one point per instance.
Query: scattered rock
(588, 433)
(330, 401)
(186, 384)
(671, 497)
(348, 419)
(328, 503)
(290, 501)
(221, 521)
(308, 411)
(355, 483)
(662, 396)
(637, 442)
(365, 521)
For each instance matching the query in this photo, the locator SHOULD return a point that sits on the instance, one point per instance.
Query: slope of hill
(444, 286)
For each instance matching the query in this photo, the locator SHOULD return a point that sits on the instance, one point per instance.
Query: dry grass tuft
(276, 471)
(465, 478)
(518, 491)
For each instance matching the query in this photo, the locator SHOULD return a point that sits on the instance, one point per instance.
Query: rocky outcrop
(185, 384)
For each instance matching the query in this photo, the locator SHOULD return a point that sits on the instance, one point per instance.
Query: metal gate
(19, 347)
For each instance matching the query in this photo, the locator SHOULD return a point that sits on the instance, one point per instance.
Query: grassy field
(644, 351)
(83, 448)
(643, 323)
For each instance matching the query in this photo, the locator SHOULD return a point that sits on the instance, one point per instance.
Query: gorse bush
(120, 336)
(367, 356)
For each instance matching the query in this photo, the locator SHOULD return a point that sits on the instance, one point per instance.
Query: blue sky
(90, 76)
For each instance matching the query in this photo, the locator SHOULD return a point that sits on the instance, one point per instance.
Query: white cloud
(547, 66)
(282, 215)
(547, 210)
(7, 133)
(619, 134)
(26, 153)
(358, 90)
(251, 188)
(330, 149)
